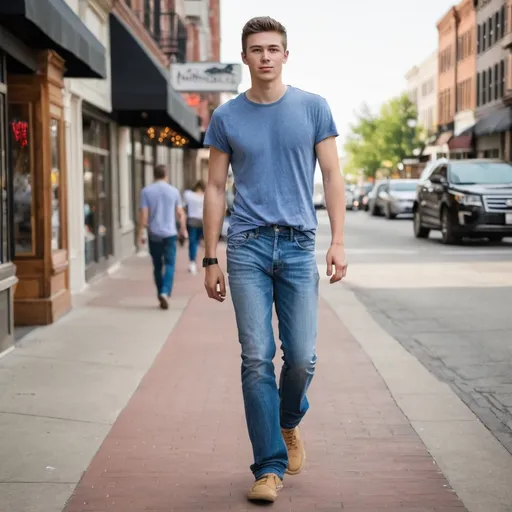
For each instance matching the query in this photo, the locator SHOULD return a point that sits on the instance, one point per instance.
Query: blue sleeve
(216, 134)
(144, 199)
(325, 125)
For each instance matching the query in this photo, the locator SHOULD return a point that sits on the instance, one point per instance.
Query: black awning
(141, 91)
(498, 122)
(52, 24)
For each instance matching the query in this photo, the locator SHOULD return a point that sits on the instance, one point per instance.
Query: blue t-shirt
(272, 150)
(161, 199)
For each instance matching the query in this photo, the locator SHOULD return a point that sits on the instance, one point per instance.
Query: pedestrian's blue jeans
(267, 265)
(163, 253)
(194, 237)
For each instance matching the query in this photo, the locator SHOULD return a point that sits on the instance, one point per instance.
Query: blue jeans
(267, 265)
(163, 252)
(194, 237)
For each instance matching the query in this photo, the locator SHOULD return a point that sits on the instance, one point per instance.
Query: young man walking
(272, 135)
(160, 206)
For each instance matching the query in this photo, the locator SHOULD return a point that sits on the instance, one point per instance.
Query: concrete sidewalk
(148, 404)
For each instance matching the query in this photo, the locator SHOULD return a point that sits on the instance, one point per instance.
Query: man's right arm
(213, 217)
(215, 200)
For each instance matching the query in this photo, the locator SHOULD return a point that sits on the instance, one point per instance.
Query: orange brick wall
(193, 49)
(447, 69)
(466, 69)
(215, 29)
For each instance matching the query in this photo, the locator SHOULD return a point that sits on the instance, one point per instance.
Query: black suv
(464, 198)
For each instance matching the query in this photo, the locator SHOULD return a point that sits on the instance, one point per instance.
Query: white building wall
(97, 93)
(422, 85)
(198, 11)
(176, 175)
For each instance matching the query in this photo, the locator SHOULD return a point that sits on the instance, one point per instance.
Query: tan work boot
(265, 488)
(296, 451)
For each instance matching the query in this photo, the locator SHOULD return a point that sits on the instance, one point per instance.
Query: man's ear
(244, 58)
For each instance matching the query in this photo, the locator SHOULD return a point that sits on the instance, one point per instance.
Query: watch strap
(210, 261)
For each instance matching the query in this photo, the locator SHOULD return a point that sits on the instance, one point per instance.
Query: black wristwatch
(210, 261)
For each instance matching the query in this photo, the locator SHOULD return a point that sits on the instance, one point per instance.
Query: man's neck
(266, 92)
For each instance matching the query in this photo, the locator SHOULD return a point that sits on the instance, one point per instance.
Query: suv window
(442, 170)
(427, 171)
(376, 188)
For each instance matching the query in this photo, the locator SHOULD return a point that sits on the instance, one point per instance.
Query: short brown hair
(263, 24)
(159, 172)
(200, 185)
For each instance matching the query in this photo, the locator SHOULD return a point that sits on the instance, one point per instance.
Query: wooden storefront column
(42, 295)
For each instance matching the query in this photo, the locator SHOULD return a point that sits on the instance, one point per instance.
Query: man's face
(265, 55)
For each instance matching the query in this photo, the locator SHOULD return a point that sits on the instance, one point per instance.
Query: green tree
(361, 145)
(397, 130)
(389, 137)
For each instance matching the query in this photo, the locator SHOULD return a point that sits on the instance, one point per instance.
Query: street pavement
(447, 305)
(120, 406)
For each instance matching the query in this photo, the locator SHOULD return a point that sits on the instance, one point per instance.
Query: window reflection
(4, 189)
(55, 178)
(102, 208)
(90, 207)
(97, 217)
(20, 144)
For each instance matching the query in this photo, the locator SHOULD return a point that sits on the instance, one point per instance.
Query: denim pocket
(304, 242)
(239, 240)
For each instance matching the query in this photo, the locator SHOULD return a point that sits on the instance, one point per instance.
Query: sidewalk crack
(75, 361)
(57, 418)
(36, 482)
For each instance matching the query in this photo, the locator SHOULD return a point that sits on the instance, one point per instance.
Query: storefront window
(90, 206)
(4, 189)
(138, 172)
(23, 178)
(55, 177)
(97, 205)
(103, 206)
(129, 176)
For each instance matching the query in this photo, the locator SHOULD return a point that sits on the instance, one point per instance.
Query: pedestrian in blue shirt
(160, 207)
(272, 136)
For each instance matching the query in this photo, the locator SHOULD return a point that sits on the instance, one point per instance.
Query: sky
(350, 52)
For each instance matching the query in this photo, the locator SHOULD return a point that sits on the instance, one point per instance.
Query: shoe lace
(264, 479)
(290, 438)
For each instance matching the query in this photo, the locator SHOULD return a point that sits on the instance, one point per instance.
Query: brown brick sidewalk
(181, 443)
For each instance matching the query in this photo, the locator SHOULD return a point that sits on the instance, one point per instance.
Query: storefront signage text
(206, 77)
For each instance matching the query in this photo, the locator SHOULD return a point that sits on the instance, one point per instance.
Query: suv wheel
(419, 230)
(447, 232)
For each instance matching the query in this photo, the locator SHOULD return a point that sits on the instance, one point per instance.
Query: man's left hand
(184, 234)
(336, 258)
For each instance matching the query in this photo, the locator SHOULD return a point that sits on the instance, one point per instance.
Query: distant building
(456, 81)
(422, 90)
(493, 116)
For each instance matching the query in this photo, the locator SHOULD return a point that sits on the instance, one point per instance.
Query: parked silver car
(393, 197)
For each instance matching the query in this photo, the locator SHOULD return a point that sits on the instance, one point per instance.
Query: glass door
(97, 196)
